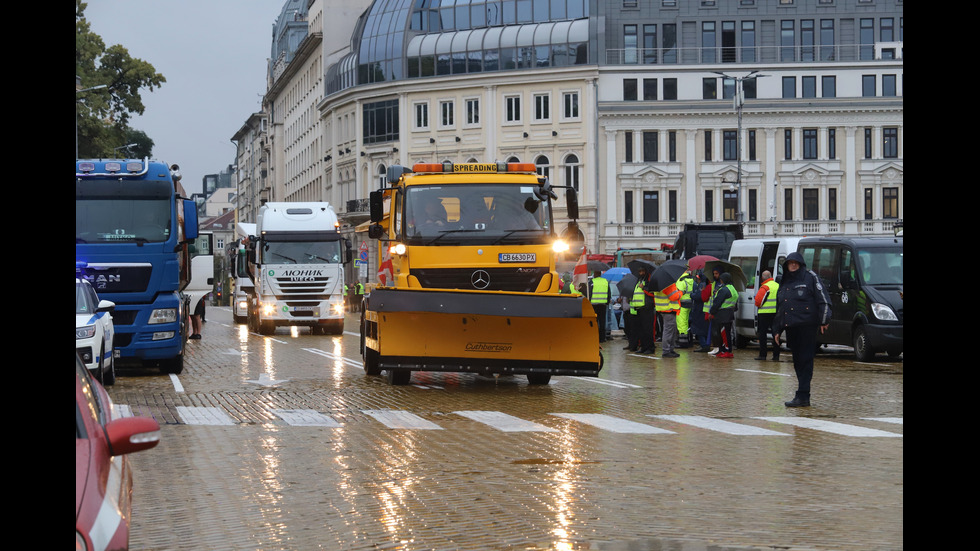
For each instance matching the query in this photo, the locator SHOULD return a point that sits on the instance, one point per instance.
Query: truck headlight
(559, 246)
(243, 305)
(86, 332)
(163, 315)
(398, 248)
(338, 308)
(267, 308)
(883, 312)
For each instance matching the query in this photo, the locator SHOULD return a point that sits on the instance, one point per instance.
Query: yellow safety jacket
(769, 305)
(600, 290)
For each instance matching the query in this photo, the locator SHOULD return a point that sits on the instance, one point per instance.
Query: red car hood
(83, 458)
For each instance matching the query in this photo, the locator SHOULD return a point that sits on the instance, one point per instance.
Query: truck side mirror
(190, 220)
(375, 231)
(376, 200)
(571, 203)
(350, 251)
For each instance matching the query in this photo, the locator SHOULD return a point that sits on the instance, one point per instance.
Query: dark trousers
(648, 320)
(765, 329)
(632, 329)
(600, 314)
(802, 340)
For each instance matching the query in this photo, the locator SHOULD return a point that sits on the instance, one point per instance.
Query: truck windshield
(110, 211)
(484, 214)
(881, 266)
(301, 252)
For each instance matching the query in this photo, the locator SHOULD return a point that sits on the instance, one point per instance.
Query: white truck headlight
(163, 315)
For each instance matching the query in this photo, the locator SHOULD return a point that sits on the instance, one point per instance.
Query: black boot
(799, 401)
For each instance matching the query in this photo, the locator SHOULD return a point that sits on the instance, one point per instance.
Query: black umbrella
(596, 266)
(667, 274)
(637, 264)
(738, 276)
(626, 285)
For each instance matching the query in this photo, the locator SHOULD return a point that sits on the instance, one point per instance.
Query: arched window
(382, 175)
(513, 159)
(543, 165)
(572, 172)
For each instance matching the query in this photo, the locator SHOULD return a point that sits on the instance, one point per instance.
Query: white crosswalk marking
(504, 422)
(719, 425)
(613, 424)
(204, 416)
(394, 419)
(830, 426)
(305, 418)
(895, 420)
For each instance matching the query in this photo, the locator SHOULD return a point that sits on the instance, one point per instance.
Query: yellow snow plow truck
(467, 279)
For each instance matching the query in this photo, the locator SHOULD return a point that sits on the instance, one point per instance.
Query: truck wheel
(266, 328)
(371, 362)
(538, 379)
(399, 376)
(862, 347)
(337, 328)
(109, 376)
(240, 319)
(174, 365)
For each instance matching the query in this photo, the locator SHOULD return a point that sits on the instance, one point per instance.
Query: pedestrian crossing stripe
(403, 420)
(305, 418)
(830, 426)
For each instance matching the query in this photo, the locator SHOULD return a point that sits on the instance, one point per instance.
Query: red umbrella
(697, 263)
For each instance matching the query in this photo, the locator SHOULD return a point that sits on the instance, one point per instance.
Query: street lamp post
(77, 91)
(739, 100)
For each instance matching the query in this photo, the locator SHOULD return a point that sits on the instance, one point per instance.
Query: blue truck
(133, 227)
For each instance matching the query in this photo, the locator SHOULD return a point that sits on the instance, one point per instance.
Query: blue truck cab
(133, 224)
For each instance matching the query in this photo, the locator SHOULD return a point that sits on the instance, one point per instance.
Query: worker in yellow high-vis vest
(685, 284)
(599, 297)
(765, 301)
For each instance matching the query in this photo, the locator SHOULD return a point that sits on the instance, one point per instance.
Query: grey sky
(213, 54)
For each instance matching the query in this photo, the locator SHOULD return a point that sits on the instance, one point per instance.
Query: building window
(748, 42)
(542, 107)
(809, 86)
(570, 105)
(751, 145)
(709, 206)
(672, 205)
(708, 42)
(727, 88)
(473, 112)
(832, 143)
(572, 172)
(380, 121)
(512, 108)
(809, 143)
(789, 87)
(788, 204)
(709, 88)
(869, 212)
(421, 116)
(447, 110)
(650, 146)
(728, 52)
(787, 40)
(629, 146)
(888, 85)
(729, 145)
(788, 144)
(887, 29)
(748, 88)
(707, 145)
(629, 89)
(729, 205)
(649, 89)
(827, 40)
(629, 44)
(543, 166)
(669, 45)
(753, 205)
(649, 44)
(651, 206)
(670, 88)
(628, 207)
(828, 85)
(811, 204)
(832, 204)
(889, 202)
(889, 145)
(868, 86)
(867, 143)
(672, 146)
(867, 39)
(806, 40)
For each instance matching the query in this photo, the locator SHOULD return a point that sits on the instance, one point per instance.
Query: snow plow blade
(480, 332)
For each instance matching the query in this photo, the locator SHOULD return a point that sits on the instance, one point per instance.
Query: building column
(612, 186)
(691, 175)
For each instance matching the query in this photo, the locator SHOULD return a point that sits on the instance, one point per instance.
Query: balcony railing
(754, 54)
(358, 205)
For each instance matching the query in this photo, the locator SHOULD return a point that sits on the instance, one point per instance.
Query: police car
(94, 332)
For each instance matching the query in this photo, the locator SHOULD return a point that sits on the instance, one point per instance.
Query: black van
(864, 277)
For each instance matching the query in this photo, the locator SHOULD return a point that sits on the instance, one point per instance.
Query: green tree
(102, 115)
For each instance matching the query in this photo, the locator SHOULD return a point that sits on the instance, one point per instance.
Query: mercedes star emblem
(480, 279)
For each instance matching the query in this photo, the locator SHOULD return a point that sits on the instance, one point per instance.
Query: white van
(755, 256)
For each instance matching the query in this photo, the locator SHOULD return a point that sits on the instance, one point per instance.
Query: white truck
(296, 263)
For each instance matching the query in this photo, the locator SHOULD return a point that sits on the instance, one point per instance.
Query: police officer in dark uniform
(803, 308)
